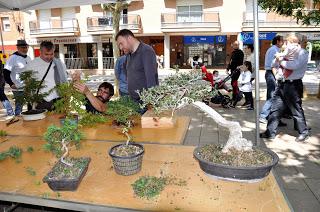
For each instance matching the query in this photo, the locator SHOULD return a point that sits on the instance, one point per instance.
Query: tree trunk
(235, 139)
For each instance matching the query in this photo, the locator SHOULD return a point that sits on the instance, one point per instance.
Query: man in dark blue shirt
(141, 64)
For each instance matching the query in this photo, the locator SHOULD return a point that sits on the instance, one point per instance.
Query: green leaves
(13, 152)
(54, 136)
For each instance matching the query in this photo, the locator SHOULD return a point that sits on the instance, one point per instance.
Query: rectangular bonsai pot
(65, 184)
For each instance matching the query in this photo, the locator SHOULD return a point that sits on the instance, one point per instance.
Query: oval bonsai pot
(127, 165)
(32, 115)
(237, 173)
(65, 184)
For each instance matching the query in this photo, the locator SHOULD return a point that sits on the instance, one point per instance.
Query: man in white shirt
(12, 70)
(51, 77)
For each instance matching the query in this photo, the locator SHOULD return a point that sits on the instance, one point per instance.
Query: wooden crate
(164, 120)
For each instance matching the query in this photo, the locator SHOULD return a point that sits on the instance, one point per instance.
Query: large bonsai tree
(181, 89)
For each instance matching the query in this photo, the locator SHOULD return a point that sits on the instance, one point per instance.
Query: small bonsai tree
(123, 111)
(60, 139)
(181, 89)
(31, 94)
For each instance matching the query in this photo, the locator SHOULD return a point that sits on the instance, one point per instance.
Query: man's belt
(293, 81)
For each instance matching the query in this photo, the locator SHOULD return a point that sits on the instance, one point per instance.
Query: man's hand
(82, 88)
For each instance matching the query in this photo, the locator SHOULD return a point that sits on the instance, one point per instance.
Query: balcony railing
(190, 19)
(267, 20)
(54, 26)
(131, 22)
(89, 62)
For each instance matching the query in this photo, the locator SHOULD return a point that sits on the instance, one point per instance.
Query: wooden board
(164, 120)
(103, 187)
(104, 131)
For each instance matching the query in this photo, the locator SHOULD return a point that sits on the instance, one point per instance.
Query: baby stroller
(218, 98)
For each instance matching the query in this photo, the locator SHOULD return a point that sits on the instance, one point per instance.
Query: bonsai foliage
(71, 100)
(123, 111)
(176, 90)
(31, 86)
(60, 139)
(296, 9)
(186, 88)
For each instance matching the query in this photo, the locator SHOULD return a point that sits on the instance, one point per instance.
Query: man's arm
(298, 63)
(95, 102)
(7, 73)
(150, 67)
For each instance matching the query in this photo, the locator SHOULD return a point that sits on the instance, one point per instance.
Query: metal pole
(2, 44)
(256, 59)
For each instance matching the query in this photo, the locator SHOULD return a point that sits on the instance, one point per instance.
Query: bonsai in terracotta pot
(68, 172)
(127, 157)
(31, 96)
(237, 159)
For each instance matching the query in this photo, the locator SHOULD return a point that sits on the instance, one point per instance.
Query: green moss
(31, 171)
(13, 152)
(3, 133)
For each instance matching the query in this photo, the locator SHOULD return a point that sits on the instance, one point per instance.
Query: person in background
(121, 75)
(51, 70)
(3, 98)
(236, 60)
(245, 84)
(15, 65)
(250, 58)
(141, 65)
(96, 104)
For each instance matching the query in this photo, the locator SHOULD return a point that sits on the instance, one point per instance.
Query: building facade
(179, 30)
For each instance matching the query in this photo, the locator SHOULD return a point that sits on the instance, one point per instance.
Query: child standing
(245, 83)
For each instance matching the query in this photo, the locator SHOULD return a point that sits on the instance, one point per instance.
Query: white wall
(231, 15)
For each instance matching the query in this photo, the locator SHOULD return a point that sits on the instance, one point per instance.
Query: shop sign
(247, 37)
(221, 39)
(198, 39)
(66, 40)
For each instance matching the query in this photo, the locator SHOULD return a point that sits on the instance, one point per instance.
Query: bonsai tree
(60, 139)
(123, 112)
(181, 89)
(31, 89)
(71, 100)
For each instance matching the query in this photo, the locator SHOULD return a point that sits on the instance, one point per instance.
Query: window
(5, 24)
(190, 13)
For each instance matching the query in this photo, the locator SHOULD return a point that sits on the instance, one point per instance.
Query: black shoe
(302, 137)
(267, 135)
(282, 124)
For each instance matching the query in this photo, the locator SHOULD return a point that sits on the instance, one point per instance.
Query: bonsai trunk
(235, 139)
(65, 154)
(34, 105)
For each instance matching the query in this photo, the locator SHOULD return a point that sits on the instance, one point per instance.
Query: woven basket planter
(127, 165)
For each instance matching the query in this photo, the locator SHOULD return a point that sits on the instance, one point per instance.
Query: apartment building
(177, 29)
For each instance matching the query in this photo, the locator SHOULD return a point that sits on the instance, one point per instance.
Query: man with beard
(96, 104)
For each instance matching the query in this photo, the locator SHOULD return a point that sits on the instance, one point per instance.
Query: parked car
(311, 66)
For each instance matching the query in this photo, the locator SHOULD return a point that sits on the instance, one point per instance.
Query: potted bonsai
(127, 157)
(238, 159)
(71, 105)
(68, 172)
(31, 96)
(70, 102)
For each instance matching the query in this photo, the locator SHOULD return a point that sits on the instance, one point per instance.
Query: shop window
(190, 13)
(71, 51)
(5, 24)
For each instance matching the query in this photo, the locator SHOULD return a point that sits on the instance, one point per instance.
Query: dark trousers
(287, 94)
(248, 98)
(234, 83)
(271, 83)
(3, 96)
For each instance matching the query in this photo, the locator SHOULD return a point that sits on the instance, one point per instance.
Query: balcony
(105, 23)
(273, 22)
(190, 21)
(54, 27)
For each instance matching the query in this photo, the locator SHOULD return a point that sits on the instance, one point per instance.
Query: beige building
(180, 30)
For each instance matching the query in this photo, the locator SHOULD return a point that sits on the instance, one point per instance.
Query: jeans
(271, 83)
(5, 102)
(17, 96)
(266, 109)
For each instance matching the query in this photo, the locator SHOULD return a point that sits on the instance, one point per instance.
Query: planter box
(65, 184)
(150, 120)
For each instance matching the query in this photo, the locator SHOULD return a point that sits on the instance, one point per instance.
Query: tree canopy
(294, 8)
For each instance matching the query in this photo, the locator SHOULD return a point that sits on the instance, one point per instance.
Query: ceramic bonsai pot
(33, 115)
